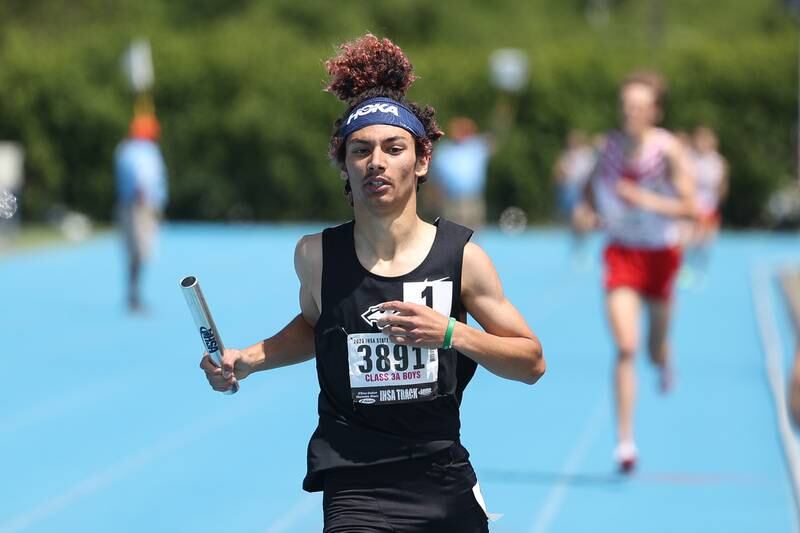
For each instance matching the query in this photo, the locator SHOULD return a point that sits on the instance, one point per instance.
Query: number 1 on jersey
(427, 293)
(436, 294)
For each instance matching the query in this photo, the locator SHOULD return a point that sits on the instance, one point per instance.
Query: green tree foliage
(246, 124)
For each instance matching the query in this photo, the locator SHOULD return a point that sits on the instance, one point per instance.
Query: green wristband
(448, 335)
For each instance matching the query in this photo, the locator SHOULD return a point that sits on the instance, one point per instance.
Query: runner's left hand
(413, 324)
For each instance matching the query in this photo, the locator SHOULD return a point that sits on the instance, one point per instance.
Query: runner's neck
(386, 247)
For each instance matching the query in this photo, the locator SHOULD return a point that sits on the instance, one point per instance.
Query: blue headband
(381, 110)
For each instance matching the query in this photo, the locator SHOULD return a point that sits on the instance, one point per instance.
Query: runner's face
(639, 108)
(382, 166)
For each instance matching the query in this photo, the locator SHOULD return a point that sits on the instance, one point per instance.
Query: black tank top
(380, 402)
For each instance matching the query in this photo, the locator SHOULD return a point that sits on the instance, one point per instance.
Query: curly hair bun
(369, 64)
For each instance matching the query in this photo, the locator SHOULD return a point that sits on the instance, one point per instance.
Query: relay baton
(204, 322)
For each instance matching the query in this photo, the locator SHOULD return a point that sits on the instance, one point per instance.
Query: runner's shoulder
(668, 140)
(308, 253)
(476, 265)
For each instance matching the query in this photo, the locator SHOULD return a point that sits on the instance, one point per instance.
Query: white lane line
(102, 479)
(773, 359)
(302, 506)
(558, 492)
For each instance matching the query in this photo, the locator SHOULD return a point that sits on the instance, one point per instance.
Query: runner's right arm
(291, 345)
(680, 206)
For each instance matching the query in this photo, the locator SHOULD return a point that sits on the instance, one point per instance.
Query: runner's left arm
(507, 346)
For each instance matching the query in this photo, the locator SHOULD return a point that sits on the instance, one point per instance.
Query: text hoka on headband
(381, 110)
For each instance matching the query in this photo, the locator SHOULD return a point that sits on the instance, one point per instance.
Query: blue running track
(108, 425)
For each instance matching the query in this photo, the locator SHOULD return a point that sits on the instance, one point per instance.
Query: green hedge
(246, 124)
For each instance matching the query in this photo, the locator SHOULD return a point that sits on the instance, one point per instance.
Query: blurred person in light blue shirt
(460, 167)
(141, 186)
(572, 170)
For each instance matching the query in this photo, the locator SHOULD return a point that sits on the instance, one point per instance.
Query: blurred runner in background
(639, 190)
(711, 188)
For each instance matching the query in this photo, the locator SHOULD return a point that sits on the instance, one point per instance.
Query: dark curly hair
(368, 67)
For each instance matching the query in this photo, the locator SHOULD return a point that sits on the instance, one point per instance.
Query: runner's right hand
(235, 367)
(584, 218)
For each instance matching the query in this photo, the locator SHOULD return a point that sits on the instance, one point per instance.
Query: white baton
(204, 322)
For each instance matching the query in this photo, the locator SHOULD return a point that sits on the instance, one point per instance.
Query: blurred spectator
(783, 208)
(570, 173)
(572, 170)
(12, 158)
(141, 183)
(460, 167)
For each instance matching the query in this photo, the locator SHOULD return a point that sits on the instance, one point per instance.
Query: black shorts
(431, 494)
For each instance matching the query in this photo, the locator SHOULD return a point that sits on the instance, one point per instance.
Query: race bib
(382, 372)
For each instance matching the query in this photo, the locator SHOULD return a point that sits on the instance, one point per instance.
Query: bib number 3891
(383, 372)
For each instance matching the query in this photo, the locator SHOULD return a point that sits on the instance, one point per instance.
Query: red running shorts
(650, 272)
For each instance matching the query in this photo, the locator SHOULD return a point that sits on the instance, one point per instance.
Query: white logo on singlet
(375, 313)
